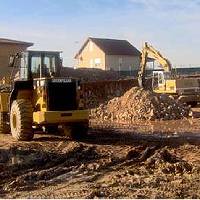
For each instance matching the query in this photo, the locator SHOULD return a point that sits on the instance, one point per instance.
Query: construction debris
(90, 74)
(98, 92)
(5, 88)
(139, 104)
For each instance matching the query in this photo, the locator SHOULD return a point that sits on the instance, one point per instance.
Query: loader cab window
(23, 66)
(35, 66)
(43, 65)
(49, 66)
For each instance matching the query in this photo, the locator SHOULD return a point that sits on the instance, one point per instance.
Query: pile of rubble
(5, 88)
(90, 74)
(99, 92)
(140, 104)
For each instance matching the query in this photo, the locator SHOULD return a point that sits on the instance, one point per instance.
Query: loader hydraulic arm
(149, 51)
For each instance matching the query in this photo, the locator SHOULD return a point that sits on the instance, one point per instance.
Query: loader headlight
(42, 83)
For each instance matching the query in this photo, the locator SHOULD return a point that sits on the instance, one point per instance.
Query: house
(9, 47)
(108, 54)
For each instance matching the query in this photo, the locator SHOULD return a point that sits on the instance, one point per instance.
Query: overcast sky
(171, 26)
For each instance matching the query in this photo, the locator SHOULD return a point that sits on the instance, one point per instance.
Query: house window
(97, 62)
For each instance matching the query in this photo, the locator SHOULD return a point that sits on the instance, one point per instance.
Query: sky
(173, 27)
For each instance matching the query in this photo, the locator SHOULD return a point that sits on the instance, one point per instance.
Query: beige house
(108, 54)
(9, 47)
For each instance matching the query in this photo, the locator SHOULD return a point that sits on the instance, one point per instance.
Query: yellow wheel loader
(41, 99)
(183, 89)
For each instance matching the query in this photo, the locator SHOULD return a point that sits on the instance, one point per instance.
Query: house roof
(9, 41)
(113, 47)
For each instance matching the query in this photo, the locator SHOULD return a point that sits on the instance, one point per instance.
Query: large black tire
(21, 120)
(4, 123)
(79, 131)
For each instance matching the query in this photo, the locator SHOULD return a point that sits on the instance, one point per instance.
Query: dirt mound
(98, 92)
(90, 74)
(140, 104)
(59, 168)
(40, 166)
(168, 163)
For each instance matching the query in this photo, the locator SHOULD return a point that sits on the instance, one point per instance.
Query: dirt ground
(141, 160)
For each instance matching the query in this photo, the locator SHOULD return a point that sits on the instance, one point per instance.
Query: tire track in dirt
(117, 162)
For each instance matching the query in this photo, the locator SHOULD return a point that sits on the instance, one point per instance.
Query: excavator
(165, 81)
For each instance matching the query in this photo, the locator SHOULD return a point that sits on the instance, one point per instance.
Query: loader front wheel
(21, 119)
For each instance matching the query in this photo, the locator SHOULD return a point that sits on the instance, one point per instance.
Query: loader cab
(39, 64)
(39, 76)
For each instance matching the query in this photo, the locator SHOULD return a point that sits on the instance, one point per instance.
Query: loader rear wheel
(21, 119)
(4, 123)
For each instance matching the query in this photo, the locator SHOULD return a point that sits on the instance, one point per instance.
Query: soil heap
(139, 104)
(90, 74)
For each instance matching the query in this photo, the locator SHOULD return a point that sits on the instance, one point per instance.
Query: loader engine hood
(61, 94)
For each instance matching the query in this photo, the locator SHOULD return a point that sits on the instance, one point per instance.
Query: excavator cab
(159, 80)
(42, 99)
